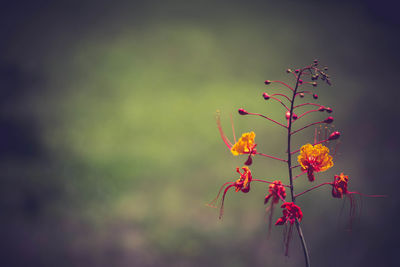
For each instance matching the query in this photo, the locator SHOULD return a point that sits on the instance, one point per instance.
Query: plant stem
(289, 161)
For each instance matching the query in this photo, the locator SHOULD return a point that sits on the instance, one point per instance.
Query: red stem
(268, 156)
(283, 84)
(307, 92)
(312, 188)
(283, 96)
(289, 161)
(265, 117)
(263, 181)
(311, 124)
(280, 101)
(307, 104)
(305, 113)
(297, 176)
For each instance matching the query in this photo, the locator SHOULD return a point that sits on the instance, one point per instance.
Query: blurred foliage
(110, 147)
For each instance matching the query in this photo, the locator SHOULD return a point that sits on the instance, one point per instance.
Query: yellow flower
(244, 145)
(314, 159)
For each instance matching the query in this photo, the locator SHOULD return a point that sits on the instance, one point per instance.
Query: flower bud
(294, 116)
(242, 111)
(287, 115)
(300, 81)
(315, 77)
(314, 84)
(315, 96)
(288, 71)
(334, 136)
(266, 96)
(321, 109)
(280, 221)
(329, 110)
(301, 95)
(267, 82)
(297, 71)
(328, 120)
(249, 161)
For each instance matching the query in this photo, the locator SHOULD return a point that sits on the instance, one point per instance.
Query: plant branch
(265, 117)
(289, 161)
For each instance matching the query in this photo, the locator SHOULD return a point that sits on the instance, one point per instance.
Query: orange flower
(339, 186)
(314, 159)
(244, 145)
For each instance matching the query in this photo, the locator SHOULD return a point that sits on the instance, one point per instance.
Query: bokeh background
(109, 148)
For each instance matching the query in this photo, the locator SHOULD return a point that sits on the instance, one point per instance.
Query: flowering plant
(313, 158)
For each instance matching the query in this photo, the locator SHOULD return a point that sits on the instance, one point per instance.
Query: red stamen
(214, 201)
(221, 132)
(221, 211)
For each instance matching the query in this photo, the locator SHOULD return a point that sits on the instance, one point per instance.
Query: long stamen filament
(214, 201)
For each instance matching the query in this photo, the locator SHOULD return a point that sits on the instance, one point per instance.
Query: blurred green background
(109, 147)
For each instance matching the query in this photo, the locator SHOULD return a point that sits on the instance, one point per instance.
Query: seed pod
(266, 96)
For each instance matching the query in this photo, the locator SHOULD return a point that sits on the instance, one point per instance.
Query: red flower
(290, 213)
(277, 191)
(243, 183)
(339, 185)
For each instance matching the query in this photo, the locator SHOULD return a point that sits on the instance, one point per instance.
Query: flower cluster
(313, 157)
